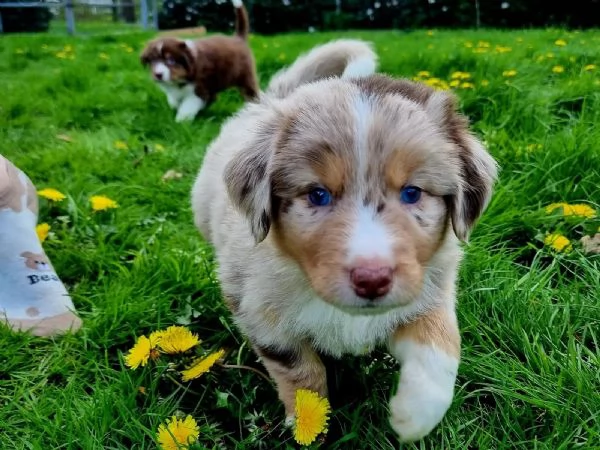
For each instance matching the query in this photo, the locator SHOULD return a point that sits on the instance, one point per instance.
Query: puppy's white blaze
(162, 69)
(370, 238)
(361, 67)
(425, 390)
(362, 122)
(190, 45)
(237, 3)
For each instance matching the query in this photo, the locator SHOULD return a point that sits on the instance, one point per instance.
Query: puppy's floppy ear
(478, 169)
(187, 51)
(248, 180)
(146, 55)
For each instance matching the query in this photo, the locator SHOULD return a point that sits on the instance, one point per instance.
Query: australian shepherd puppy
(336, 204)
(191, 73)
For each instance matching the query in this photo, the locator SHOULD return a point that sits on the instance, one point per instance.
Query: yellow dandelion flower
(467, 85)
(143, 350)
(560, 42)
(509, 73)
(533, 147)
(312, 414)
(454, 83)
(423, 74)
(484, 83)
(519, 39)
(52, 194)
(437, 83)
(61, 55)
(68, 48)
(281, 56)
(502, 49)
(469, 44)
(580, 210)
(155, 336)
(558, 242)
(102, 203)
(121, 145)
(42, 230)
(177, 434)
(540, 58)
(103, 56)
(460, 75)
(159, 147)
(549, 55)
(201, 366)
(129, 49)
(589, 67)
(177, 339)
(483, 44)
(576, 210)
(430, 33)
(558, 69)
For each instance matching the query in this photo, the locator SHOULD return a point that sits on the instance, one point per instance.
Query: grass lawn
(82, 116)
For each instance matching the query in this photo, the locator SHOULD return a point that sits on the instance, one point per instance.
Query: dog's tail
(242, 23)
(346, 58)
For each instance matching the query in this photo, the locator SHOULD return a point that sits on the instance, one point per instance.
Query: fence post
(70, 16)
(155, 14)
(144, 13)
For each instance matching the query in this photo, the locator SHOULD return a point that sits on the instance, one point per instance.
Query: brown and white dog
(191, 73)
(336, 205)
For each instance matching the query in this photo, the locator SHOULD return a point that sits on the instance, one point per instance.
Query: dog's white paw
(289, 421)
(173, 102)
(190, 106)
(418, 407)
(183, 116)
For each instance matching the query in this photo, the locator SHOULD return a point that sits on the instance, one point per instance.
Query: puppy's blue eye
(319, 197)
(170, 62)
(410, 194)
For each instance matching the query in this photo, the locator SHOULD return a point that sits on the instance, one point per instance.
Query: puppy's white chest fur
(175, 94)
(337, 332)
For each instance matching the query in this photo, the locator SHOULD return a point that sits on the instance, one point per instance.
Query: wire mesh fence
(71, 14)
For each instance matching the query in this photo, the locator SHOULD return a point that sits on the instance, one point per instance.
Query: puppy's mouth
(362, 307)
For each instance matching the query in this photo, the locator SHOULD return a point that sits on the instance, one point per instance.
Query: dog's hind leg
(291, 370)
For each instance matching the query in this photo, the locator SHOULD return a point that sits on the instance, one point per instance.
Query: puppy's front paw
(418, 407)
(173, 102)
(289, 421)
(183, 116)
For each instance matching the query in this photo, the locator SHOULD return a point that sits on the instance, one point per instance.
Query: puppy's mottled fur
(368, 266)
(192, 73)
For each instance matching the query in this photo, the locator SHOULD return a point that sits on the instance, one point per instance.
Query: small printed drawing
(37, 261)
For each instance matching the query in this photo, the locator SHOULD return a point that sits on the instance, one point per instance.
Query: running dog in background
(336, 205)
(192, 73)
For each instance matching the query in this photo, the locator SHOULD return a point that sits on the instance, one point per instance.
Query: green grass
(530, 318)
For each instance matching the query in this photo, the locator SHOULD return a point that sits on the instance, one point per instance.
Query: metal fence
(72, 11)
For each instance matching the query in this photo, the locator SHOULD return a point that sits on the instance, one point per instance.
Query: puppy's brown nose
(371, 282)
(158, 75)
